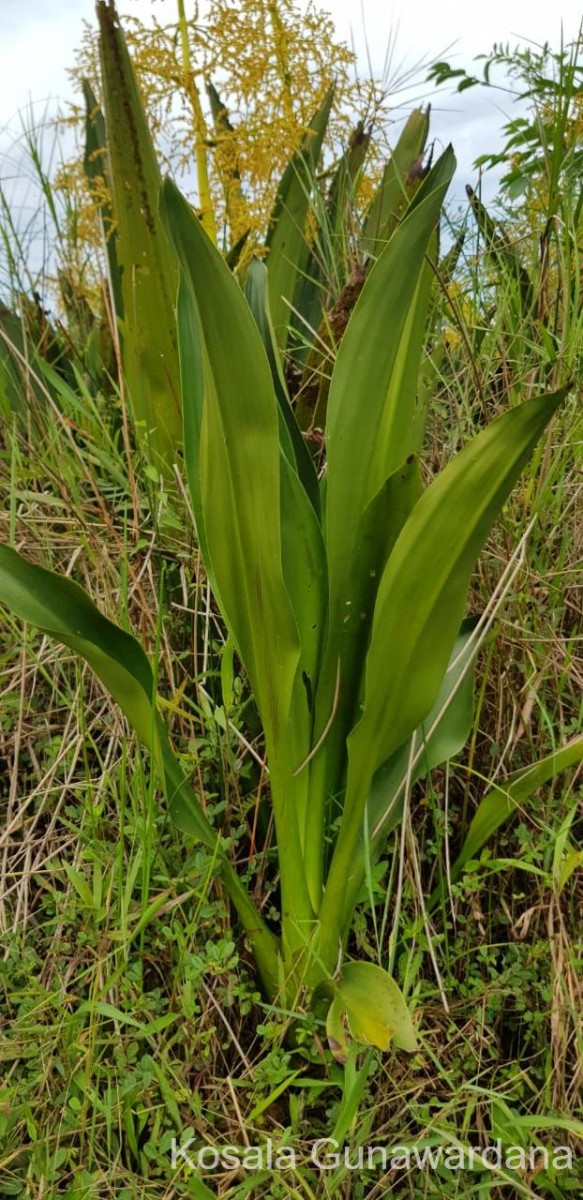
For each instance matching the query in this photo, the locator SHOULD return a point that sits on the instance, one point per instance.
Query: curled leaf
(371, 1007)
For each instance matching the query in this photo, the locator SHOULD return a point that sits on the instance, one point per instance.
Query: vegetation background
(128, 1001)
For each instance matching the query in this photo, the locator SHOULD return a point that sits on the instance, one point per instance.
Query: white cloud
(428, 27)
(38, 40)
(38, 37)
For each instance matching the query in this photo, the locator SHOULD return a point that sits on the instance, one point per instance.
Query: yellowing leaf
(375, 1009)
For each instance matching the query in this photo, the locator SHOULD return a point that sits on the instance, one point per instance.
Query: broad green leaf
(375, 1009)
(286, 241)
(379, 527)
(149, 274)
(295, 448)
(377, 366)
(505, 800)
(191, 356)
(371, 483)
(423, 592)
(97, 171)
(447, 726)
(257, 296)
(234, 464)
(304, 569)
(442, 734)
(61, 609)
(391, 197)
(420, 605)
(340, 680)
(235, 461)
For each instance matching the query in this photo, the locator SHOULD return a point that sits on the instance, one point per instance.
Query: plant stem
(204, 192)
(340, 879)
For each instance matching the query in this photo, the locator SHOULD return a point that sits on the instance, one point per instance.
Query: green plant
(144, 275)
(344, 601)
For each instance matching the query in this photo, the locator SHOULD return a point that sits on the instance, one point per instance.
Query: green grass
(129, 1009)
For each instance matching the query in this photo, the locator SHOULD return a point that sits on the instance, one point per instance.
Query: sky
(38, 40)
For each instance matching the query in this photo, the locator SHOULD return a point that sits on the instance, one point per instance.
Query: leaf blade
(426, 578)
(429, 570)
(149, 274)
(60, 608)
(286, 241)
(501, 802)
(375, 1009)
(238, 467)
